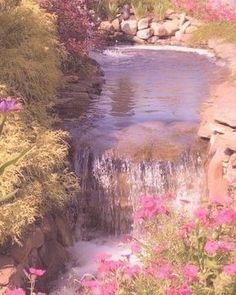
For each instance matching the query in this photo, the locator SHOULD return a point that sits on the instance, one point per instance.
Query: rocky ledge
(174, 29)
(218, 124)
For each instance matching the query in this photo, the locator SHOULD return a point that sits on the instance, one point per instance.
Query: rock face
(145, 34)
(219, 125)
(116, 24)
(7, 269)
(129, 27)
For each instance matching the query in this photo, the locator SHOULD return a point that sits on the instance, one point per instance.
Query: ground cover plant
(178, 254)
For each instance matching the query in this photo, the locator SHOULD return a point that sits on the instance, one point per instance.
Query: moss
(222, 30)
(30, 59)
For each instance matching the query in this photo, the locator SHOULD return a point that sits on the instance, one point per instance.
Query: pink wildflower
(102, 256)
(132, 270)
(172, 292)
(37, 272)
(225, 216)
(165, 271)
(226, 246)
(190, 272)
(18, 291)
(222, 201)
(186, 229)
(211, 247)
(184, 290)
(202, 215)
(135, 247)
(230, 269)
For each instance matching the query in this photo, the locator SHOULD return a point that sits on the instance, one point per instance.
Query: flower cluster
(177, 254)
(9, 105)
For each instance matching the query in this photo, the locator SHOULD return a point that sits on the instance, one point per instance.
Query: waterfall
(111, 186)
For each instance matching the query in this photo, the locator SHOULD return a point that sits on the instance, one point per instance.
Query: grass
(216, 29)
(30, 60)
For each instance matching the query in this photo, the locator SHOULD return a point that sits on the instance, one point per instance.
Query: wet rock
(145, 34)
(230, 175)
(159, 30)
(64, 233)
(53, 256)
(143, 23)
(34, 241)
(171, 27)
(106, 26)
(217, 185)
(129, 27)
(116, 24)
(7, 269)
(137, 40)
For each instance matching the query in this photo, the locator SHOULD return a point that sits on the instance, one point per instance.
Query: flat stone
(129, 27)
(158, 29)
(7, 269)
(143, 23)
(171, 27)
(145, 34)
(153, 40)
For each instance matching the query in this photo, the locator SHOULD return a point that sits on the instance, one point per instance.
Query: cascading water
(139, 137)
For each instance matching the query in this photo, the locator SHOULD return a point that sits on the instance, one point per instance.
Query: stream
(138, 138)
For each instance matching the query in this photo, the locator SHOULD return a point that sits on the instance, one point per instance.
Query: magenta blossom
(225, 216)
(190, 272)
(18, 291)
(230, 269)
(202, 215)
(211, 247)
(10, 105)
(36, 272)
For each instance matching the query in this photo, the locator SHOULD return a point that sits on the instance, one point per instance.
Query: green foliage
(141, 8)
(107, 9)
(215, 29)
(160, 7)
(37, 181)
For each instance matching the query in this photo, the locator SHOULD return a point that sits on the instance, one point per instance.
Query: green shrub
(30, 69)
(107, 9)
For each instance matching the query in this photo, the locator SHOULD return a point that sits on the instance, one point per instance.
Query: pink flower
(225, 216)
(172, 292)
(184, 290)
(226, 246)
(132, 270)
(187, 228)
(202, 215)
(36, 272)
(102, 256)
(165, 271)
(18, 291)
(109, 288)
(190, 272)
(211, 247)
(222, 201)
(135, 247)
(230, 269)
(9, 105)
(90, 284)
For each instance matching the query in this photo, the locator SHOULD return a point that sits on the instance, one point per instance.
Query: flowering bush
(177, 254)
(74, 22)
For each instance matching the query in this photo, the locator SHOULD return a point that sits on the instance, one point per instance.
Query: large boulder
(116, 24)
(106, 26)
(145, 34)
(159, 30)
(129, 27)
(171, 26)
(7, 269)
(143, 23)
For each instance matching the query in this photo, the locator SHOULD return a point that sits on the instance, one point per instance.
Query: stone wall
(174, 29)
(218, 124)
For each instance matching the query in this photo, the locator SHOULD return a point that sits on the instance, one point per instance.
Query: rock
(153, 40)
(190, 29)
(178, 35)
(186, 39)
(49, 228)
(217, 185)
(159, 30)
(116, 24)
(129, 27)
(34, 241)
(182, 19)
(184, 27)
(53, 256)
(230, 174)
(143, 23)
(225, 104)
(171, 27)
(126, 11)
(7, 269)
(106, 26)
(137, 40)
(145, 34)
(64, 233)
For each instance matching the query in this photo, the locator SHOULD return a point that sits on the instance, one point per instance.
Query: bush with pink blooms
(177, 254)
